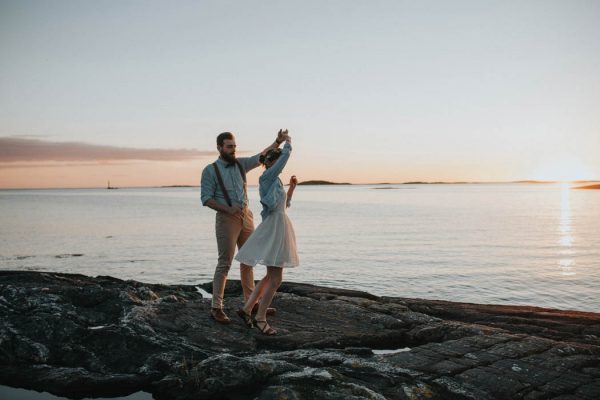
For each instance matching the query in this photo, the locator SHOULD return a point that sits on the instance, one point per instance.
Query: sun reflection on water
(566, 262)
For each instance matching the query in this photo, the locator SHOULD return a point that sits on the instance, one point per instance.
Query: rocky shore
(78, 336)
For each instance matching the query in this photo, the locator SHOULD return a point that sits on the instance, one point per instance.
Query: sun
(566, 169)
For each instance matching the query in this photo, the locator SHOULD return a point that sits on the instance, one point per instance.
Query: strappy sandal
(246, 317)
(266, 328)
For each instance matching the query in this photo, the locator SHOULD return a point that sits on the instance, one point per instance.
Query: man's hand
(281, 136)
(293, 181)
(235, 211)
(212, 203)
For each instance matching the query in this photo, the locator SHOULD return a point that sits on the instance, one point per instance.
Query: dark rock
(78, 336)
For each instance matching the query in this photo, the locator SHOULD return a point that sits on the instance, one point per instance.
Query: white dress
(273, 242)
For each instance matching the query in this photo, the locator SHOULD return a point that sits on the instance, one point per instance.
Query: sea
(517, 243)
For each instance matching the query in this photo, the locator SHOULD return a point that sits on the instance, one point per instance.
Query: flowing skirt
(273, 243)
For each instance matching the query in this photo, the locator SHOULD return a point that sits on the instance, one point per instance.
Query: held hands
(282, 136)
(293, 181)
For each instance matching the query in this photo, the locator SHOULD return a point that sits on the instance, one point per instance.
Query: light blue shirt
(270, 186)
(232, 179)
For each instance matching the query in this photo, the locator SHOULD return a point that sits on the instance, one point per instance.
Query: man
(234, 220)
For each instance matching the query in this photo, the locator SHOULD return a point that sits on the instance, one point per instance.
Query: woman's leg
(272, 283)
(256, 294)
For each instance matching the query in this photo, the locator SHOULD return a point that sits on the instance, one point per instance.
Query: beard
(228, 157)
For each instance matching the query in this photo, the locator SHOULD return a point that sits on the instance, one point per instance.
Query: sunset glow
(563, 170)
(394, 92)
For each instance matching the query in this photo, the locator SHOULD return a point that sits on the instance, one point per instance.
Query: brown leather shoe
(218, 315)
(270, 310)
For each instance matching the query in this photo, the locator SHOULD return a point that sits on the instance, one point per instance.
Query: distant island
(387, 185)
(588, 187)
(534, 181)
(322, 183)
(435, 183)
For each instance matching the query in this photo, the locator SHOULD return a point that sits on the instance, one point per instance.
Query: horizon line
(525, 181)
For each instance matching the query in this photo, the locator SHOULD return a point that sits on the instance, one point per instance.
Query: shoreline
(55, 329)
(532, 303)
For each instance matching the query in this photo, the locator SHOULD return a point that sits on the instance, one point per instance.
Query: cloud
(54, 164)
(25, 150)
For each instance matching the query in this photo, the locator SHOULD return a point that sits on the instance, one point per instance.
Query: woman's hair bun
(271, 155)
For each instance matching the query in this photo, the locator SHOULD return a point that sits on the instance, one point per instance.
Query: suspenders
(222, 185)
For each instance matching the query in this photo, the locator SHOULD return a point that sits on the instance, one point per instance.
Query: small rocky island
(317, 182)
(592, 187)
(78, 336)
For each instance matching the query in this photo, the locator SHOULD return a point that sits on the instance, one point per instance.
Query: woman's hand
(281, 136)
(293, 181)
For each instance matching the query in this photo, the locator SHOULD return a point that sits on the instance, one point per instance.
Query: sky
(135, 92)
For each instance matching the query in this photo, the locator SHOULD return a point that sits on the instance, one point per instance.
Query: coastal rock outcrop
(78, 336)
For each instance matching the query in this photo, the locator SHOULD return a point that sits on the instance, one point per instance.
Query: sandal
(266, 328)
(246, 317)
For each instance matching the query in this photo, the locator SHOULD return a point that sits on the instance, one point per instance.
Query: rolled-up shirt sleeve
(250, 163)
(208, 185)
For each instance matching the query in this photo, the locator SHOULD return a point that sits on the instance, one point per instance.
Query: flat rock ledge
(78, 336)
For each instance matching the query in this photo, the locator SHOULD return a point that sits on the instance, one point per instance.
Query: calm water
(485, 243)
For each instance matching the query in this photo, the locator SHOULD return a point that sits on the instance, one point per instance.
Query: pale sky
(371, 91)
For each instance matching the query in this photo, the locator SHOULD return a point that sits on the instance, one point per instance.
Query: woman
(273, 243)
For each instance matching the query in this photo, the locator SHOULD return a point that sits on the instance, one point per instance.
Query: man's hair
(222, 137)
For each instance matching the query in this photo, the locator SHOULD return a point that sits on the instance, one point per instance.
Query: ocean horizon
(331, 183)
(493, 243)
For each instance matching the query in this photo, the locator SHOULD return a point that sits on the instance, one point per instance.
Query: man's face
(227, 151)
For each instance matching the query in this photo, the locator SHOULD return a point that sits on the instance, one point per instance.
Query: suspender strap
(242, 171)
(222, 185)
(220, 179)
